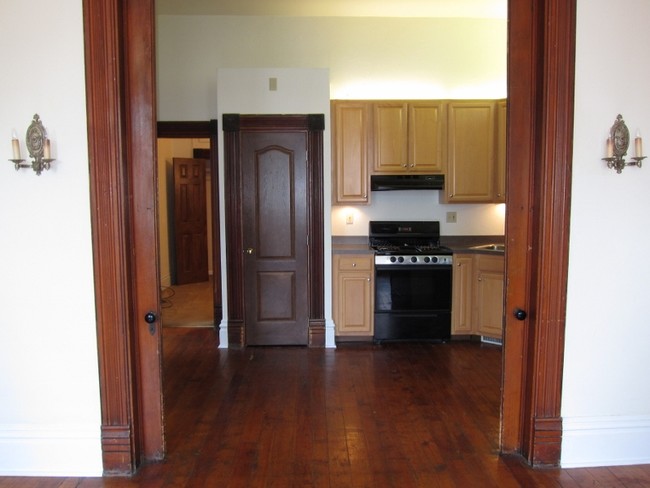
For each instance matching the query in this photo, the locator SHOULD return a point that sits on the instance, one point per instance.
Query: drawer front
(356, 262)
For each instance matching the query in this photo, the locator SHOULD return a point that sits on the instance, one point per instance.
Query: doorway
(541, 41)
(188, 300)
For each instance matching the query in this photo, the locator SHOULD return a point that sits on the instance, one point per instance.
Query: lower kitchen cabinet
(478, 285)
(353, 298)
(489, 295)
(462, 292)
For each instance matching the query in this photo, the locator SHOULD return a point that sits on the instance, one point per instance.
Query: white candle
(46, 149)
(610, 147)
(638, 145)
(15, 146)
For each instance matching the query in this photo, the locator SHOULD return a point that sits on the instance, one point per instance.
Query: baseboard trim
(605, 441)
(54, 450)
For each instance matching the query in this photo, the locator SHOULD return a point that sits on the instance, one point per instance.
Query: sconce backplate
(35, 138)
(620, 137)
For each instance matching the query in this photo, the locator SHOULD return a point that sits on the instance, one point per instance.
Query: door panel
(274, 215)
(190, 221)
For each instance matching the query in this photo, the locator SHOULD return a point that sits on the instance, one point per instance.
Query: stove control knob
(434, 259)
(393, 259)
(400, 259)
(414, 259)
(427, 259)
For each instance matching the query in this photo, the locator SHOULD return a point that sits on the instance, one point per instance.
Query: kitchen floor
(188, 305)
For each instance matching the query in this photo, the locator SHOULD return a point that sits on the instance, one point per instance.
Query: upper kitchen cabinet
(471, 141)
(350, 152)
(500, 190)
(408, 137)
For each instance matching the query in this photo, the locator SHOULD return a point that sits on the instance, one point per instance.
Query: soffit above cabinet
(494, 9)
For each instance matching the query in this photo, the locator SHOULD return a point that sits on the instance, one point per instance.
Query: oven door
(413, 303)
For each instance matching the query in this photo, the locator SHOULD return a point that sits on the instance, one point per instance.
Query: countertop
(464, 244)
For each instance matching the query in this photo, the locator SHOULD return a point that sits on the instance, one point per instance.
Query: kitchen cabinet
(500, 183)
(489, 295)
(477, 295)
(471, 152)
(351, 137)
(353, 296)
(408, 137)
(462, 294)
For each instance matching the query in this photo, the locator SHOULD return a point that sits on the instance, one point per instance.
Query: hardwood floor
(188, 305)
(359, 416)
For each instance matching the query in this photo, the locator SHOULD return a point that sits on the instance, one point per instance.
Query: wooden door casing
(541, 39)
(119, 56)
(541, 65)
(274, 227)
(234, 125)
(190, 221)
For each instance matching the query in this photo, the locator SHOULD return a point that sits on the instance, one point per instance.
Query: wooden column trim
(540, 131)
(316, 232)
(553, 218)
(234, 239)
(110, 233)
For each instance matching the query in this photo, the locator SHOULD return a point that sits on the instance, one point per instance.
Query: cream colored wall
(606, 393)
(168, 149)
(49, 380)
(366, 58)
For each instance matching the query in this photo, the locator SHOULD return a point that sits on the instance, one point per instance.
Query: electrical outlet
(349, 219)
(451, 218)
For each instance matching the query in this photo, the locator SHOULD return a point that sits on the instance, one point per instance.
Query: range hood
(406, 182)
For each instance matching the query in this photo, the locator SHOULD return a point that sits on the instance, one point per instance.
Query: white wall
(606, 392)
(50, 407)
(366, 57)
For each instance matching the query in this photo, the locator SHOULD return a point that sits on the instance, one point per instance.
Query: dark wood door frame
(541, 64)
(194, 130)
(314, 125)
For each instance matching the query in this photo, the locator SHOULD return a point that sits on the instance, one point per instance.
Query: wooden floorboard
(408, 415)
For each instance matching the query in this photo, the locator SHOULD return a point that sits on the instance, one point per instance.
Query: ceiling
(338, 8)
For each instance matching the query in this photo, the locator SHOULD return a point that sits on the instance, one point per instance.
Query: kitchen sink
(490, 247)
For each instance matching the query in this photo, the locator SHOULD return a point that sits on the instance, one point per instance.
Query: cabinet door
(390, 123)
(500, 190)
(471, 151)
(350, 136)
(462, 294)
(426, 149)
(353, 295)
(489, 296)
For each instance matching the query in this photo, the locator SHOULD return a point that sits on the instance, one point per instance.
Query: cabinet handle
(404, 165)
(412, 165)
(368, 279)
(354, 265)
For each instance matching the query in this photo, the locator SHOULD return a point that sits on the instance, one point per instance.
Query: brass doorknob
(248, 250)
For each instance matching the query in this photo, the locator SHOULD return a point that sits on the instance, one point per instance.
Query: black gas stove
(405, 243)
(413, 275)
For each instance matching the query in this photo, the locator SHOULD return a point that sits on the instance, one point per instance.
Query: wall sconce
(617, 144)
(38, 146)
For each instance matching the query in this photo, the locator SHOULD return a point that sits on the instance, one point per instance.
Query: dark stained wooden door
(274, 219)
(190, 221)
